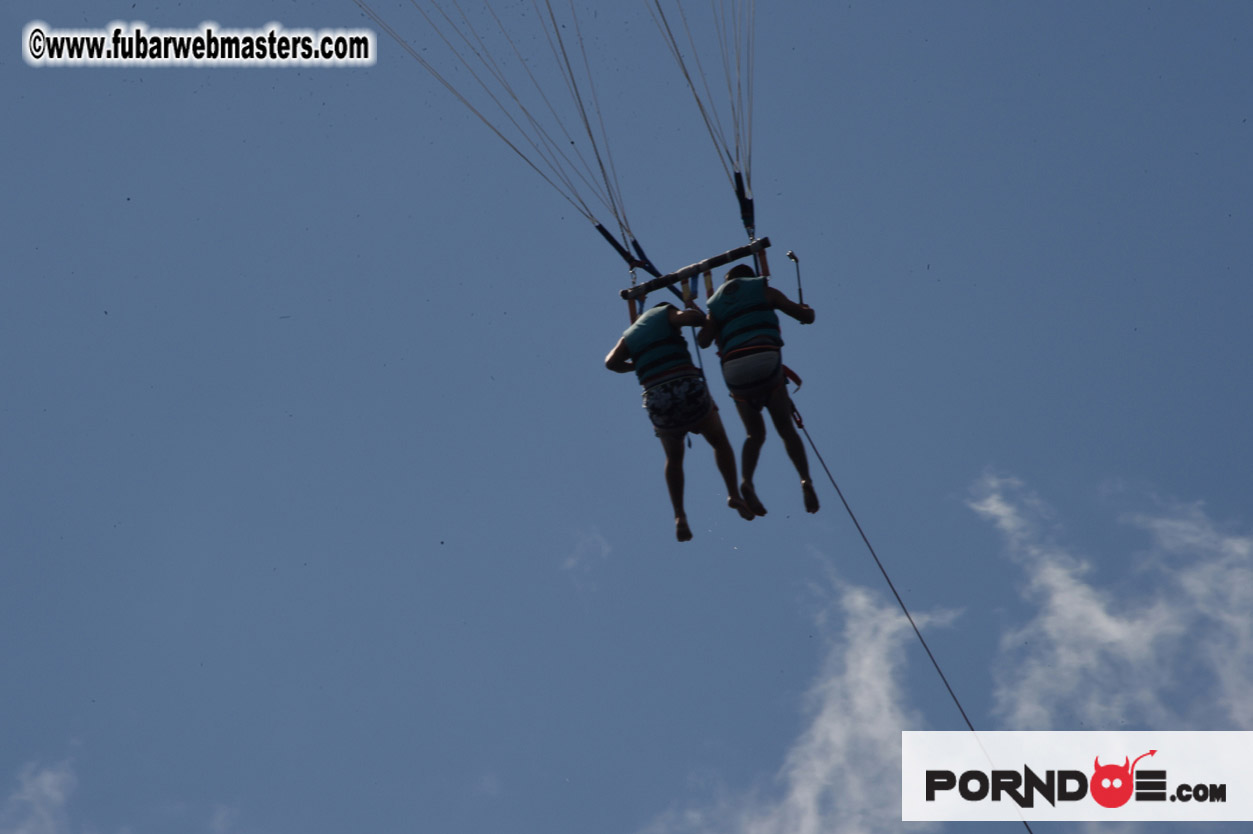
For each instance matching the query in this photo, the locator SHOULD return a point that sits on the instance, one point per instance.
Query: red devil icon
(1111, 785)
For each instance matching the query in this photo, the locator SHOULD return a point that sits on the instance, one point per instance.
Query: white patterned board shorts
(677, 406)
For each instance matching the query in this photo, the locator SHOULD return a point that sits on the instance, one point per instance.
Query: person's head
(740, 271)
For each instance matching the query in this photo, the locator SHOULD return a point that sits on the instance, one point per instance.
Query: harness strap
(788, 373)
(747, 350)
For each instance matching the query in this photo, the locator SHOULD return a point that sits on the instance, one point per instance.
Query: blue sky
(321, 514)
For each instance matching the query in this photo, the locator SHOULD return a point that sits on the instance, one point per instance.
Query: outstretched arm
(695, 317)
(619, 359)
(801, 312)
(708, 327)
(706, 335)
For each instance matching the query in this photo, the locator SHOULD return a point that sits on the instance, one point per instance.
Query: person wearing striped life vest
(742, 319)
(676, 399)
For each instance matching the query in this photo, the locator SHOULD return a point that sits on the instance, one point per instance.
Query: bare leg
(673, 446)
(780, 406)
(755, 436)
(724, 457)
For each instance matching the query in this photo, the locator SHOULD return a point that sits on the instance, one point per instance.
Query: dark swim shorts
(678, 405)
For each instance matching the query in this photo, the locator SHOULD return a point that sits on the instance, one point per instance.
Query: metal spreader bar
(678, 275)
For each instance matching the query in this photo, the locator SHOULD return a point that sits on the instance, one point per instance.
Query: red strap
(792, 375)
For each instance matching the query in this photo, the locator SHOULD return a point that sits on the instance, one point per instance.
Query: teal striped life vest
(744, 315)
(658, 350)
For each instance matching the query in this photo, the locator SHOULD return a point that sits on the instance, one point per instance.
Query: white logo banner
(1077, 776)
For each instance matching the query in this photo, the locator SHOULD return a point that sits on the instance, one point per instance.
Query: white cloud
(843, 773)
(1148, 655)
(1212, 572)
(488, 785)
(223, 820)
(38, 805)
(1169, 643)
(591, 550)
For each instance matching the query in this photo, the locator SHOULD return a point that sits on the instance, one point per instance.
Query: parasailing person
(677, 400)
(743, 321)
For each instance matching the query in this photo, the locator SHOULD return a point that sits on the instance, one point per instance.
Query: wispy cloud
(842, 774)
(223, 820)
(1175, 651)
(1213, 585)
(590, 551)
(38, 805)
(488, 785)
(590, 548)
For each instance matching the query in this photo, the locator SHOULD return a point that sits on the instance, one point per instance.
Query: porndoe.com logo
(1039, 776)
(1110, 785)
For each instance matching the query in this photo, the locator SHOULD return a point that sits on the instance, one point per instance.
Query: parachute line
(733, 22)
(552, 153)
(552, 177)
(796, 416)
(487, 53)
(612, 191)
(708, 114)
(543, 144)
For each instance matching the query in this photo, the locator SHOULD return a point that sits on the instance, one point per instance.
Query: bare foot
(681, 531)
(750, 498)
(740, 507)
(811, 497)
